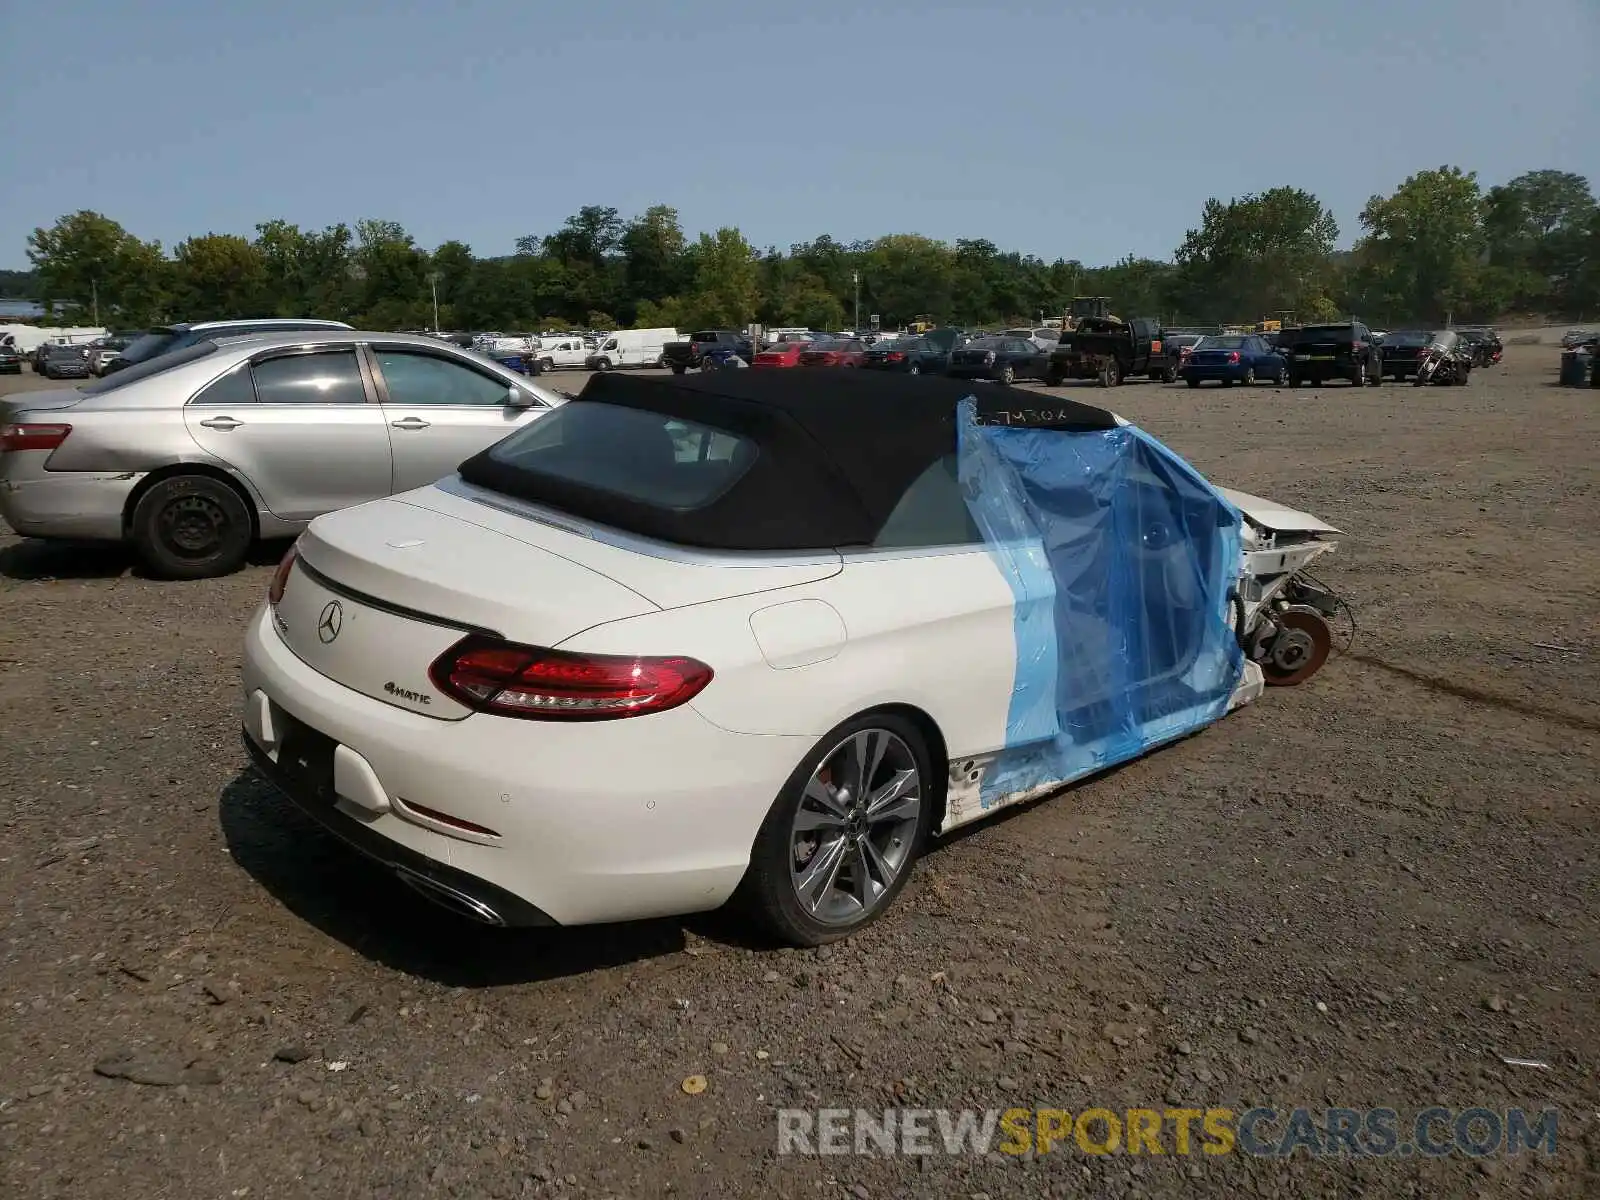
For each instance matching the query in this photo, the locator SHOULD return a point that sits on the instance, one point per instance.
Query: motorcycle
(1445, 360)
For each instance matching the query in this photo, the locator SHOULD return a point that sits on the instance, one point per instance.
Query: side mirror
(517, 398)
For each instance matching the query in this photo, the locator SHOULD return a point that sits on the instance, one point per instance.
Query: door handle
(221, 423)
(410, 423)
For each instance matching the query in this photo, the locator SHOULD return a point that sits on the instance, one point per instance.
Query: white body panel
(590, 826)
(1276, 517)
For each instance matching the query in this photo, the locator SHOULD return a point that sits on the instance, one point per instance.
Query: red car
(835, 352)
(784, 354)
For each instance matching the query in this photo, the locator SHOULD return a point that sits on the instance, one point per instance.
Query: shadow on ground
(32, 558)
(41, 559)
(355, 900)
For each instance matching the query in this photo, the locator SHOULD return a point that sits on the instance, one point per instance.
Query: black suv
(1345, 350)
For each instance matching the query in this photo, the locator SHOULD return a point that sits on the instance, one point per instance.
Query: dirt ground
(1363, 892)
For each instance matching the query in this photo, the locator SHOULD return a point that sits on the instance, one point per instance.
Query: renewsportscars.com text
(1259, 1132)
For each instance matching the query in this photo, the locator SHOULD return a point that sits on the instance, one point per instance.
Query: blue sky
(1084, 129)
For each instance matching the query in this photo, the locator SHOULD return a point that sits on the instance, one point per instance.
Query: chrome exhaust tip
(444, 896)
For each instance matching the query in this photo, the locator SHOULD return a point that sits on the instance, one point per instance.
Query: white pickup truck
(556, 353)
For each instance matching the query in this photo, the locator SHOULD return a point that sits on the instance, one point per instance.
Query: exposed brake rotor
(1302, 644)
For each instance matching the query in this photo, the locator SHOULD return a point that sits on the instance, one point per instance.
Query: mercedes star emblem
(330, 621)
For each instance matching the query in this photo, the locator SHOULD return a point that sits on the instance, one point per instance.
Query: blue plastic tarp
(1123, 561)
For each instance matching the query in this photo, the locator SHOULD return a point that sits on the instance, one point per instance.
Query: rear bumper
(494, 905)
(603, 821)
(62, 504)
(1219, 372)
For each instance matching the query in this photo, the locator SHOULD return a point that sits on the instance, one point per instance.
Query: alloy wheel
(855, 828)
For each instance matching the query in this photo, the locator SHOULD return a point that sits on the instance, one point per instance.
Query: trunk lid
(664, 577)
(12, 407)
(383, 589)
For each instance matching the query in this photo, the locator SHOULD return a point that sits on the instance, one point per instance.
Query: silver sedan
(192, 456)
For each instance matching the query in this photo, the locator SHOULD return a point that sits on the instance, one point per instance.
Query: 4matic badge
(400, 693)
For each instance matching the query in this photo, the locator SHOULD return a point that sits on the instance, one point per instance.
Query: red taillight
(556, 685)
(894, 356)
(1233, 357)
(33, 437)
(280, 577)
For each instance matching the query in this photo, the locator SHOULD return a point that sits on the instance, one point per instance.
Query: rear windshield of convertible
(645, 457)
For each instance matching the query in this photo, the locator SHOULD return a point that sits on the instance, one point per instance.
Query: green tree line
(1439, 245)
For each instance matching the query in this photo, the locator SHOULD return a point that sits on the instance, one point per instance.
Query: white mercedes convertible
(759, 636)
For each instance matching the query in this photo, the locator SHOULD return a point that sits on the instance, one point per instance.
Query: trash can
(1575, 368)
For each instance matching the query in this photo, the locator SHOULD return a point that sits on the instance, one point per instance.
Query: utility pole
(94, 294)
(856, 277)
(433, 282)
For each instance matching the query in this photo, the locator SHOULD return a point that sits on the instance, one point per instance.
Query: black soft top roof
(836, 450)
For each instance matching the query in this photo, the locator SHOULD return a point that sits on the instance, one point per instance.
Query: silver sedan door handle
(221, 423)
(410, 423)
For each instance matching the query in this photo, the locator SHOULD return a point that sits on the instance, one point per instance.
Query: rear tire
(1249, 376)
(678, 368)
(1281, 376)
(1194, 383)
(547, 364)
(770, 893)
(191, 527)
(1008, 375)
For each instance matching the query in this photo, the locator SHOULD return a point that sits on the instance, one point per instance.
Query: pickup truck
(1108, 349)
(681, 356)
(557, 353)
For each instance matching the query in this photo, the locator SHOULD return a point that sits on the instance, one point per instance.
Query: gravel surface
(1361, 892)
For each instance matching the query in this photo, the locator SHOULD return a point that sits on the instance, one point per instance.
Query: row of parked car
(1310, 354)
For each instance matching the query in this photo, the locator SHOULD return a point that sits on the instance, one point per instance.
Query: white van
(631, 348)
(557, 353)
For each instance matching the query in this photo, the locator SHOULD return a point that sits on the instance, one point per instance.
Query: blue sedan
(1233, 358)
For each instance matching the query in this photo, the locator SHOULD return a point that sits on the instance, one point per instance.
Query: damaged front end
(1282, 615)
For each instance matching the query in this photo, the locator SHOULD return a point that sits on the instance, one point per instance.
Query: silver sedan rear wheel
(856, 827)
